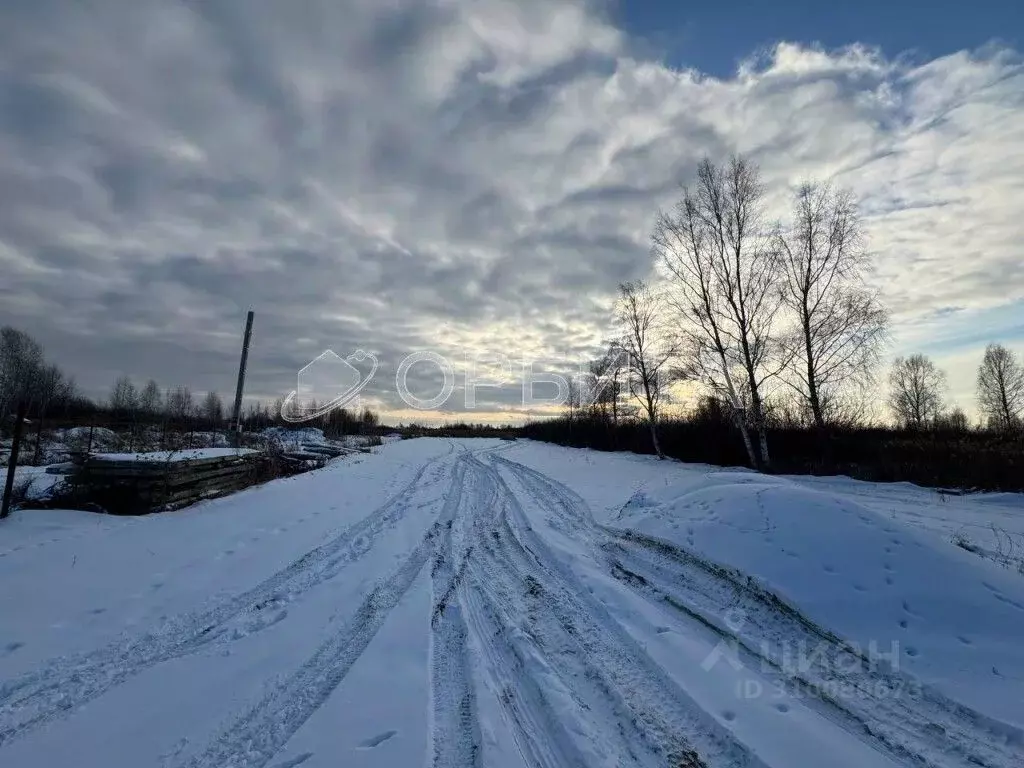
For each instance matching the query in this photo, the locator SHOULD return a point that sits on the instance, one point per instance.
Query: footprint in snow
(911, 651)
(97, 611)
(377, 740)
(11, 648)
(662, 630)
(729, 715)
(964, 640)
(1004, 599)
(782, 708)
(888, 580)
(295, 761)
(828, 569)
(903, 623)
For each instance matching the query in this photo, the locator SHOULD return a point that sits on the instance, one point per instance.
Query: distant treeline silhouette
(942, 457)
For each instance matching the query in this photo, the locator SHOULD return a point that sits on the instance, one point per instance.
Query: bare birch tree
(719, 257)
(51, 387)
(179, 404)
(574, 397)
(213, 409)
(1001, 388)
(606, 374)
(841, 324)
(150, 399)
(124, 398)
(916, 393)
(647, 351)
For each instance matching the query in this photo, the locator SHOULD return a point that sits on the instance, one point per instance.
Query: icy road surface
(482, 603)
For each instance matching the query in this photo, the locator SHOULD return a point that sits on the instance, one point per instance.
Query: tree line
(42, 392)
(771, 321)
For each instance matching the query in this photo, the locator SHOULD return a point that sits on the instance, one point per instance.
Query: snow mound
(945, 615)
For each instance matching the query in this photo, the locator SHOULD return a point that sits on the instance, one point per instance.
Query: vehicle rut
(587, 649)
(911, 722)
(454, 725)
(65, 684)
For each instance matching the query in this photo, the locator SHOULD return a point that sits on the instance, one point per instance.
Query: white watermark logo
(326, 383)
(330, 382)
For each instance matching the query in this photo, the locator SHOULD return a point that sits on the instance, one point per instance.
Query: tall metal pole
(236, 415)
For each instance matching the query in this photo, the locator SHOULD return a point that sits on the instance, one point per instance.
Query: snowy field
(485, 603)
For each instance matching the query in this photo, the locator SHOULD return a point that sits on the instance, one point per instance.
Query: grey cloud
(387, 176)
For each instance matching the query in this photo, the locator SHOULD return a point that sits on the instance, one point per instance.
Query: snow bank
(949, 616)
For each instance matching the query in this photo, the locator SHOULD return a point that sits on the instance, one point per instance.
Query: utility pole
(236, 415)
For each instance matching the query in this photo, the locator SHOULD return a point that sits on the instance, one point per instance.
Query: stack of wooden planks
(144, 483)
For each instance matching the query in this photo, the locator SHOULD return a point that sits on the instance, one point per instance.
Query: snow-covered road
(461, 603)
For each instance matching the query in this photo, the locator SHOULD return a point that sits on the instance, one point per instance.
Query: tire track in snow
(930, 729)
(66, 684)
(505, 659)
(254, 738)
(465, 613)
(454, 727)
(590, 650)
(539, 735)
(898, 714)
(559, 711)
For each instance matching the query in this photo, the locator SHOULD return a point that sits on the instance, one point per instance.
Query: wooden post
(39, 436)
(236, 413)
(12, 462)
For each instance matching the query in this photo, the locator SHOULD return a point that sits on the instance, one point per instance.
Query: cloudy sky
(474, 176)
